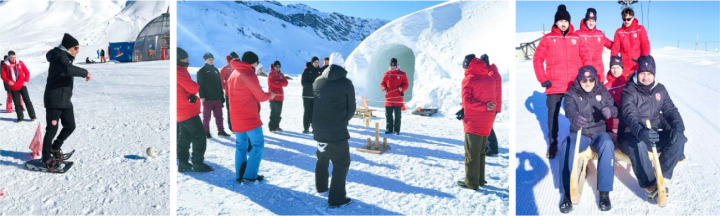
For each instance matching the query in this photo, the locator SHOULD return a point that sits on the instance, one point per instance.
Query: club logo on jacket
(634, 34)
(657, 96)
(598, 97)
(573, 41)
(598, 39)
(54, 122)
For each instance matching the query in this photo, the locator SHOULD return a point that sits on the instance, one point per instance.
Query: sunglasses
(76, 47)
(587, 80)
(628, 19)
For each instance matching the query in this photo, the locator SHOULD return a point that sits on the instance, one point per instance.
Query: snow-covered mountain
(291, 33)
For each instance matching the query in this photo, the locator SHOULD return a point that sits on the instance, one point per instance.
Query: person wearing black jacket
(643, 98)
(57, 98)
(326, 64)
(308, 77)
(587, 105)
(334, 106)
(211, 95)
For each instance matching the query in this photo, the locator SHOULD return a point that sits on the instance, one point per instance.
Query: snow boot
(248, 181)
(185, 166)
(652, 192)
(463, 185)
(202, 167)
(344, 203)
(388, 131)
(306, 131)
(19, 121)
(552, 151)
(566, 206)
(604, 202)
(397, 132)
(208, 135)
(58, 155)
(222, 133)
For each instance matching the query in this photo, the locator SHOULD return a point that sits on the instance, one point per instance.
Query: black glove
(192, 99)
(402, 94)
(606, 112)
(579, 122)
(546, 84)
(677, 136)
(460, 114)
(649, 136)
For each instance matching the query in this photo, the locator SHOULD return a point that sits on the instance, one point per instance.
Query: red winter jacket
(15, 72)
(392, 80)
(592, 42)
(276, 82)
(225, 72)
(185, 88)
(631, 43)
(245, 95)
(498, 86)
(615, 86)
(561, 55)
(475, 95)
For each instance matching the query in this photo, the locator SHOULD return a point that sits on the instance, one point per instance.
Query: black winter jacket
(640, 103)
(308, 77)
(59, 87)
(588, 105)
(208, 77)
(334, 105)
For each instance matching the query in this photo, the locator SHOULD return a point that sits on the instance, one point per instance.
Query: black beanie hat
(69, 41)
(314, 58)
(327, 59)
(616, 60)
(208, 55)
(276, 63)
(234, 55)
(646, 64)
(587, 72)
(486, 59)
(591, 14)
(249, 57)
(468, 59)
(562, 13)
(181, 54)
(393, 62)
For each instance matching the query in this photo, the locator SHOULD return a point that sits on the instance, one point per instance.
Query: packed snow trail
(417, 176)
(692, 82)
(119, 113)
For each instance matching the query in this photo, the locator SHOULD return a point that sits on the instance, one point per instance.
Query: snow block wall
(430, 46)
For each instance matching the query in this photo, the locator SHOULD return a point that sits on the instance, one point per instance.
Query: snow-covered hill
(291, 33)
(692, 81)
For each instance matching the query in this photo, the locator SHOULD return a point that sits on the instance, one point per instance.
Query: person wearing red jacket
(16, 76)
(592, 41)
(492, 146)
(616, 81)
(189, 127)
(8, 103)
(631, 42)
(479, 103)
(394, 84)
(225, 72)
(560, 50)
(245, 95)
(276, 82)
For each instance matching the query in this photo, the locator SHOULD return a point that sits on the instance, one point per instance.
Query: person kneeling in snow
(479, 105)
(189, 126)
(645, 99)
(588, 104)
(58, 92)
(333, 107)
(245, 95)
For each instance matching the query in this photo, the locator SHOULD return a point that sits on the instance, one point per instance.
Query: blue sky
(667, 22)
(388, 10)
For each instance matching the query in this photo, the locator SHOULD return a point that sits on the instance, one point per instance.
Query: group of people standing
(569, 65)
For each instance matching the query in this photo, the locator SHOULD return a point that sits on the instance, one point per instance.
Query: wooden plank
(574, 197)
(662, 194)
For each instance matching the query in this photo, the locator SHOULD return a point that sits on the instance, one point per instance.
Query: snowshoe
(52, 166)
(222, 133)
(566, 206)
(604, 202)
(58, 153)
(202, 167)
(344, 203)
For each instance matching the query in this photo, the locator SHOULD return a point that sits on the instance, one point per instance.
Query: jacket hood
(477, 67)
(633, 25)
(56, 53)
(334, 72)
(242, 67)
(584, 27)
(309, 65)
(228, 58)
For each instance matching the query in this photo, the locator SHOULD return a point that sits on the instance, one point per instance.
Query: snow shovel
(662, 194)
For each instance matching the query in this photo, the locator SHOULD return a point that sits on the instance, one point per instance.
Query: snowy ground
(122, 111)
(417, 176)
(692, 81)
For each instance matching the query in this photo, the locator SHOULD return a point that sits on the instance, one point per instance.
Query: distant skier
(245, 95)
(309, 75)
(630, 42)
(394, 83)
(57, 98)
(225, 73)
(479, 102)
(17, 76)
(556, 62)
(615, 83)
(211, 95)
(334, 98)
(276, 82)
(645, 99)
(98, 54)
(189, 127)
(102, 56)
(587, 105)
(592, 41)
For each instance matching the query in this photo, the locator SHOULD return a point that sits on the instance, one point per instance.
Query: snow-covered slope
(692, 81)
(416, 177)
(430, 46)
(119, 113)
(291, 34)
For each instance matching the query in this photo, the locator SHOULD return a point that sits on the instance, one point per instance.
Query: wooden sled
(578, 175)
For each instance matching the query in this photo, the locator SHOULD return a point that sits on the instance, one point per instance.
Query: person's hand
(11, 83)
(25, 84)
(460, 114)
(649, 136)
(546, 84)
(677, 136)
(192, 99)
(400, 89)
(88, 77)
(490, 105)
(382, 88)
(202, 100)
(580, 121)
(606, 112)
